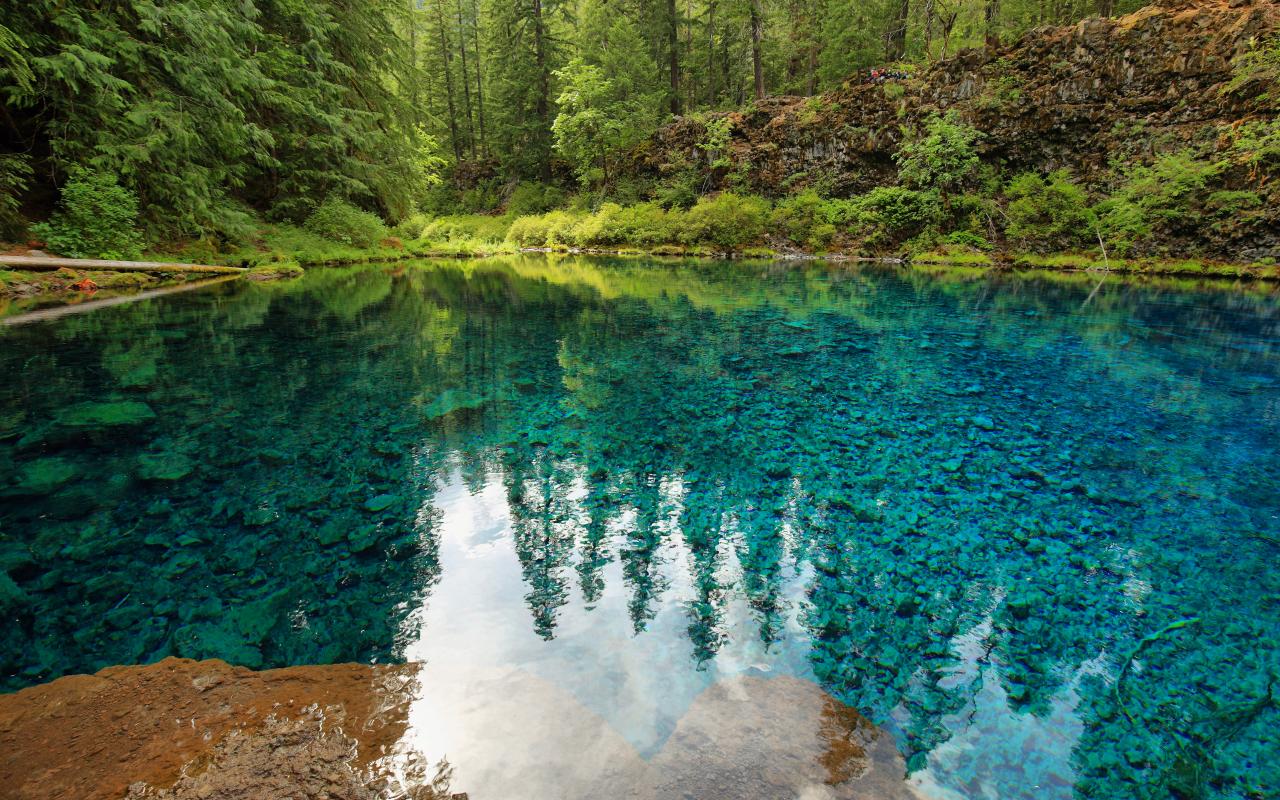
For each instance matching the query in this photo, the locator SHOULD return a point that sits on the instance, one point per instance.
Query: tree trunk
(484, 138)
(445, 57)
(991, 16)
(543, 105)
(711, 53)
(673, 56)
(895, 45)
(466, 80)
(757, 34)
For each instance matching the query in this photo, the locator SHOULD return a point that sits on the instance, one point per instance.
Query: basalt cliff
(1092, 98)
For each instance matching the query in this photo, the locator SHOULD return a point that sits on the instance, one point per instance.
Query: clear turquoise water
(1029, 527)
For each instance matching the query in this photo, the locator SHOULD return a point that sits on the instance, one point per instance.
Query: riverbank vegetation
(271, 133)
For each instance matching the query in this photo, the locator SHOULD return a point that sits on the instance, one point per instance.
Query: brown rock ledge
(90, 737)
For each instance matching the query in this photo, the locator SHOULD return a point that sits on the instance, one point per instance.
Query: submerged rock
(164, 466)
(92, 416)
(44, 475)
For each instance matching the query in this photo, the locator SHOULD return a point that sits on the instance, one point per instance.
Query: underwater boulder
(111, 414)
(452, 401)
(44, 476)
(164, 466)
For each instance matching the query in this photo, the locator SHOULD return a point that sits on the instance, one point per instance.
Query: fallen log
(52, 263)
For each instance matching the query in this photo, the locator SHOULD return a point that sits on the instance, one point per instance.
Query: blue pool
(1026, 525)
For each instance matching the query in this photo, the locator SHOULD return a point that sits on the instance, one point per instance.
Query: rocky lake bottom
(975, 534)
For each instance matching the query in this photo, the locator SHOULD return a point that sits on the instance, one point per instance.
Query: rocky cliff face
(1078, 97)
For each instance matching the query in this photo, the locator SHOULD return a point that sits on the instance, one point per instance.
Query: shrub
(809, 220)
(1122, 224)
(96, 218)
(552, 229)
(645, 223)
(1169, 194)
(1048, 214)
(944, 158)
(15, 173)
(680, 190)
(534, 198)
(460, 227)
(896, 213)
(339, 221)
(726, 220)
(411, 227)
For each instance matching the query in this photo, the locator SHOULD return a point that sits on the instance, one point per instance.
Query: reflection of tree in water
(702, 521)
(545, 525)
(641, 569)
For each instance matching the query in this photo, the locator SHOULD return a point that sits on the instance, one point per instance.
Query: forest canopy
(217, 112)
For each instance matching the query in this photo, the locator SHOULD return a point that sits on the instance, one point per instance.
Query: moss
(274, 272)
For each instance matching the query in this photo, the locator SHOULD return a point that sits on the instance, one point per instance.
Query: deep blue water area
(1029, 524)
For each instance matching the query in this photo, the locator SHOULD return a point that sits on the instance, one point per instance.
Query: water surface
(1026, 525)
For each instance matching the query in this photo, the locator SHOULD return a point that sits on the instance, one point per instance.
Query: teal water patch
(1029, 527)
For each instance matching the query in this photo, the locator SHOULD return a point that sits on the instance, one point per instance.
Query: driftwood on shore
(53, 312)
(52, 263)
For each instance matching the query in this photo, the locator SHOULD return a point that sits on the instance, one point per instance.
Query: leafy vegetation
(96, 218)
(1048, 213)
(342, 222)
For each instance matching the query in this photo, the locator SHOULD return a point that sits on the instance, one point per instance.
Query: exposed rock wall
(1078, 97)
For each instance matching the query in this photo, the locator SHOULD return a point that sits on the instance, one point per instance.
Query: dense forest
(203, 119)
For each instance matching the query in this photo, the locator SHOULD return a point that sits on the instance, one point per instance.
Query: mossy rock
(45, 475)
(452, 401)
(111, 414)
(206, 640)
(274, 272)
(164, 466)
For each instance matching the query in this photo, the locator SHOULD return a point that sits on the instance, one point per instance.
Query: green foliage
(16, 78)
(96, 218)
(204, 106)
(339, 221)
(810, 221)
(1048, 213)
(1257, 71)
(942, 158)
(479, 227)
(15, 173)
(1122, 224)
(893, 213)
(727, 220)
(533, 197)
(680, 190)
(715, 142)
(598, 119)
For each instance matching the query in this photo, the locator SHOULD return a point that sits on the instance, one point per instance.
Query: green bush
(534, 198)
(680, 190)
(1122, 224)
(339, 221)
(942, 158)
(726, 220)
(481, 227)
(809, 220)
(96, 218)
(645, 224)
(1048, 213)
(894, 213)
(555, 228)
(15, 173)
(411, 227)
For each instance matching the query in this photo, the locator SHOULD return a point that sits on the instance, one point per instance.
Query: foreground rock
(229, 732)
(204, 730)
